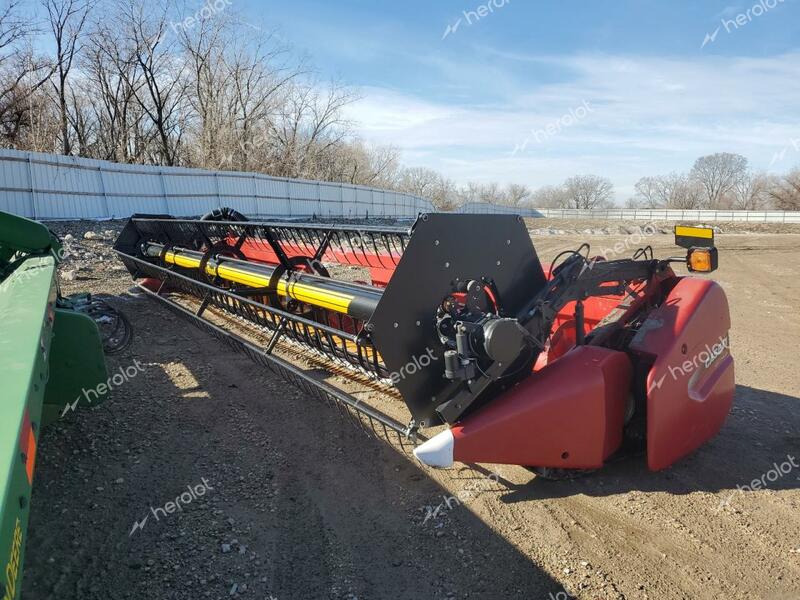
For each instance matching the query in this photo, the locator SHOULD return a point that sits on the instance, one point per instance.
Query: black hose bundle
(116, 329)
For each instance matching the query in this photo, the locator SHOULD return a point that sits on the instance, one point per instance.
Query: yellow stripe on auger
(182, 261)
(335, 301)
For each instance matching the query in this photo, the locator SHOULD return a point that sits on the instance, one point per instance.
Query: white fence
(51, 186)
(639, 214)
(658, 214)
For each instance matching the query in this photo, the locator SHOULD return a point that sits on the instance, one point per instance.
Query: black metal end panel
(163, 229)
(127, 243)
(443, 249)
(132, 234)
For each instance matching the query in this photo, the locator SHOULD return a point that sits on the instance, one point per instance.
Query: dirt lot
(298, 504)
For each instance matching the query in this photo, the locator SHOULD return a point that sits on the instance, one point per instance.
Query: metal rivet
(396, 325)
(436, 243)
(498, 263)
(447, 265)
(418, 323)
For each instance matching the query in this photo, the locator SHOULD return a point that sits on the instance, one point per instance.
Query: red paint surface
(554, 418)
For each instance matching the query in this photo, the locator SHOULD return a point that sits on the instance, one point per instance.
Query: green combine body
(49, 353)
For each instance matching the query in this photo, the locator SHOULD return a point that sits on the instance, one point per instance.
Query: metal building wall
(51, 186)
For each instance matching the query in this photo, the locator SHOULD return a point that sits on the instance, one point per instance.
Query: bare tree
(589, 192)
(751, 191)
(262, 78)
(680, 191)
(112, 78)
(635, 202)
(471, 192)
(359, 163)
(513, 194)
(67, 19)
(517, 195)
(430, 184)
(490, 193)
(718, 174)
(22, 74)
(648, 193)
(236, 88)
(161, 92)
(786, 193)
(419, 181)
(550, 196)
(309, 127)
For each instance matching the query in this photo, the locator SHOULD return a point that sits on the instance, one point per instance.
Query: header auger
(556, 370)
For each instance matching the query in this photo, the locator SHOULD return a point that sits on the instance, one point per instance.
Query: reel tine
(386, 434)
(400, 441)
(372, 426)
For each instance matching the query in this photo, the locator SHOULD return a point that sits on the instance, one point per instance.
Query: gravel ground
(298, 504)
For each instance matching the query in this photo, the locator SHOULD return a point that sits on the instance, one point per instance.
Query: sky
(532, 92)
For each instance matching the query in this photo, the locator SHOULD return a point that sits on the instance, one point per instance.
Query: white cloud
(651, 115)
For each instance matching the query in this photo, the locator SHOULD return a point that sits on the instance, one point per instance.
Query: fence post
(289, 195)
(33, 186)
(103, 190)
(164, 191)
(255, 197)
